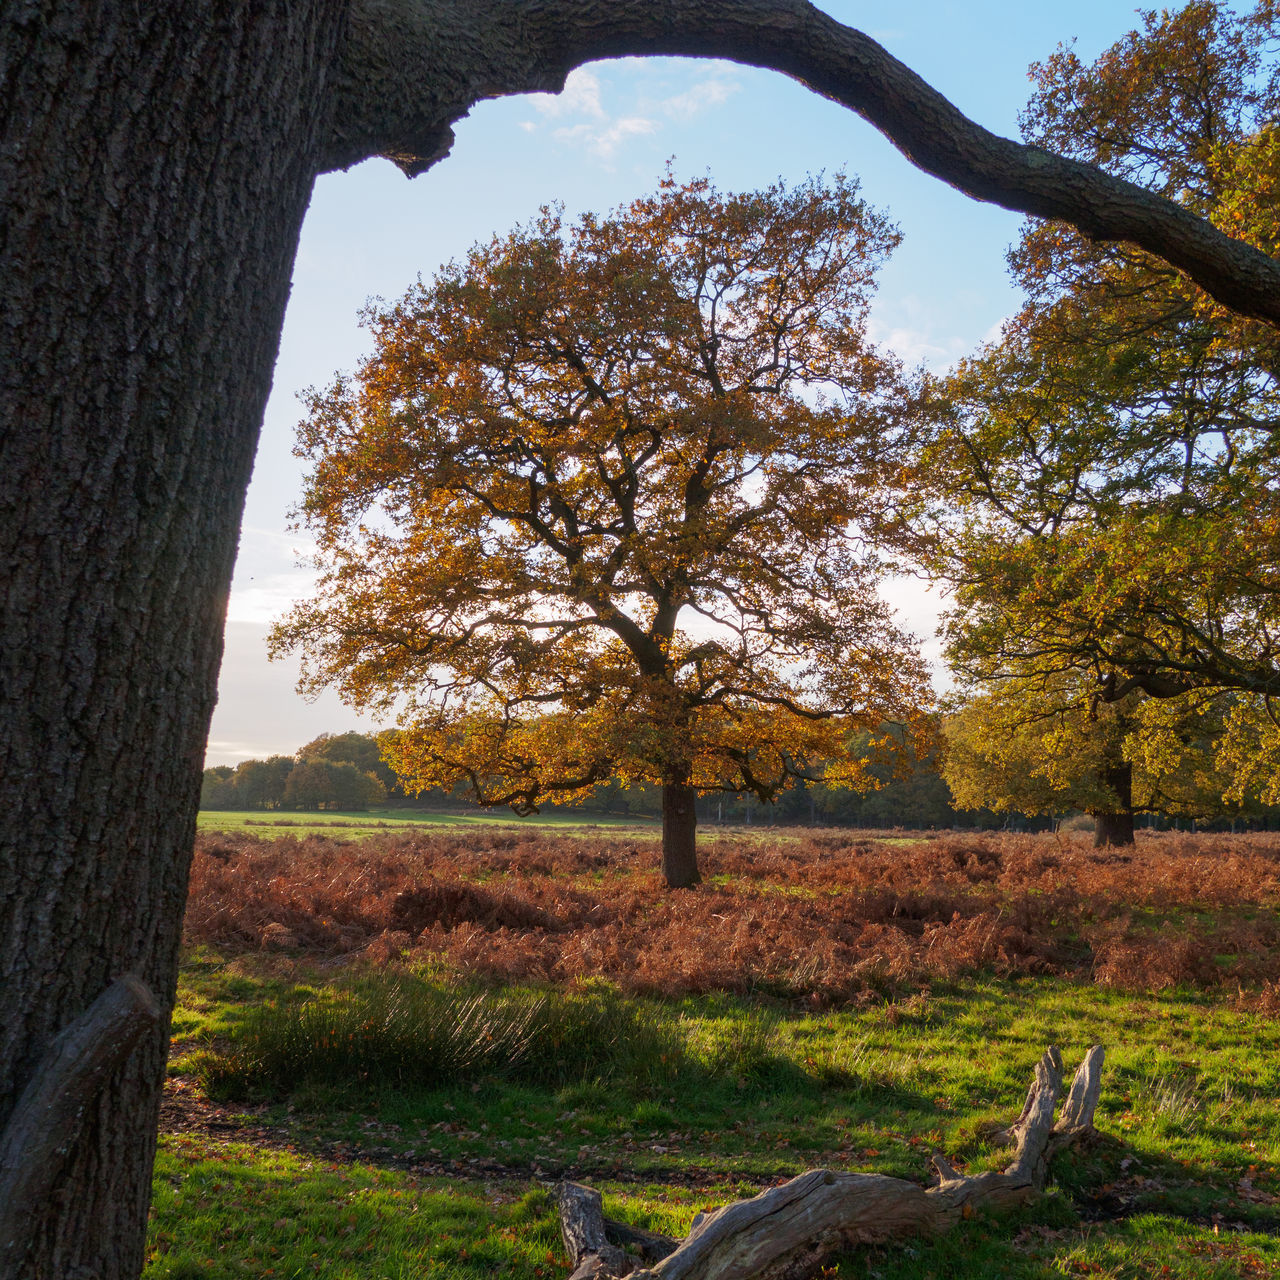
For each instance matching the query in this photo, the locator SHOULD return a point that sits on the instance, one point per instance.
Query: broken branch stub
(788, 1231)
(49, 1114)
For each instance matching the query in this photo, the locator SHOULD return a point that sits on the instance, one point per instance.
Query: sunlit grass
(354, 825)
(754, 1093)
(445, 1155)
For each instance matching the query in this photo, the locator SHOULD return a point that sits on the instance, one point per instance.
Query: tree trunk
(155, 165)
(679, 834)
(1115, 826)
(1112, 829)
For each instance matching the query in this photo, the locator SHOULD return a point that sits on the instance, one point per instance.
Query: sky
(370, 232)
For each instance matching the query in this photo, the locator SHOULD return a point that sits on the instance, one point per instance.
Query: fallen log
(790, 1231)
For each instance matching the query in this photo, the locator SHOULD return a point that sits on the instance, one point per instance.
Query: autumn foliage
(822, 918)
(613, 501)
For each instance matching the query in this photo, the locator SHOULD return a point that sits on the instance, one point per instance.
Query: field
(357, 825)
(387, 1050)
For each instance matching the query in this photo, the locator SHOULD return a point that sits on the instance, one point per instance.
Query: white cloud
(916, 347)
(996, 332)
(260, 713)
(918, 331)
(604, 141)
(586, 123)
(699, 97)
(579, 97)
(273, 571)
(918, 606)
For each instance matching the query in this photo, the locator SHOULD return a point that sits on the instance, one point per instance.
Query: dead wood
(789, 1231)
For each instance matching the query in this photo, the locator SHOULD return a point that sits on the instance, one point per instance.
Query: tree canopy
(613, 500)
(1044, 747)
(1113, 455)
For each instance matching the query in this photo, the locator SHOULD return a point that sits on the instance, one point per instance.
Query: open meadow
(387, 1050)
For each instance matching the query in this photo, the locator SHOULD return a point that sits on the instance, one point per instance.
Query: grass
(355, 825)
(234, 1210)
(757, 1094)
(404, 1156)
(396, 1030)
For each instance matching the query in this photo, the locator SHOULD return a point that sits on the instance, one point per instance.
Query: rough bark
(599, 1245)
(1114, 826)
(155, 164)
(429, 62)
(793, 1230)
(680, 835)
(582, 1229)
(1112, 829)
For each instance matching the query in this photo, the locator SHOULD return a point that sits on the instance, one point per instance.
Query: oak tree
(1044, 747)
(317, 783)
(611, 501)
(358, 749)
(1113, 455)
(154, 173)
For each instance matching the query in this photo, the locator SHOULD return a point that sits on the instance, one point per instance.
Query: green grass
(231, 1210)
(748, 1093)
(401, 1032)
(354, 825)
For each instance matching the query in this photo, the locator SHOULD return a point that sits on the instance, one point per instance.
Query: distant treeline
(345, 771)
(333, 771)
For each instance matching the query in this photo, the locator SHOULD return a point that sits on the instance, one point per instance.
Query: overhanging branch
(411, 68)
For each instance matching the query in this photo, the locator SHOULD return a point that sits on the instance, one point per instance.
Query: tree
(324, 784)
(152, 189)
(568, 447)
(910, 791)
(1039, 747)
(359, 749)
(217, 791)
(260, 784)
(1113, 455)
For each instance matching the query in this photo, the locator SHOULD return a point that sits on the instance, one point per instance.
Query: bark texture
(50, 1113)
(680, 836)
(1115, 826)
(155, 164)
(793, 1230)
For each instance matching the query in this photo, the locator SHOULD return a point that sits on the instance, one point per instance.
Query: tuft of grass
(748, 1049)
(395, 1029)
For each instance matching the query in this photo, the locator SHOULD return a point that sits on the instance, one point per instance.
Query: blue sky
(607, 138)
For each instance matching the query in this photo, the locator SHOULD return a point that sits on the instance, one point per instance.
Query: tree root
(792, 1230)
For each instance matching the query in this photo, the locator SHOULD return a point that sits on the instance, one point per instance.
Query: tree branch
(48, 1117)
(411, 68)
(795, 1228)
